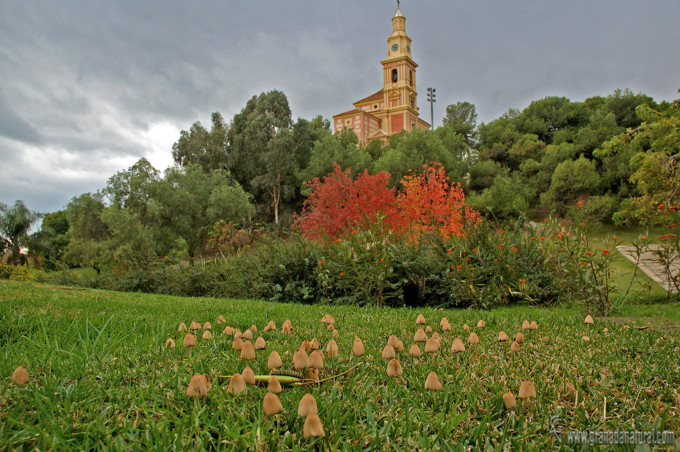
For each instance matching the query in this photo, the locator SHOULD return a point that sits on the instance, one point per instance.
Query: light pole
(431, 98)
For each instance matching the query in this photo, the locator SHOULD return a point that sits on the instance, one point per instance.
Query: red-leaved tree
(338, 203)
(430, 203)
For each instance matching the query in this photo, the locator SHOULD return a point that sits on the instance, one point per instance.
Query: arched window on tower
(410, 77)
(395, 76)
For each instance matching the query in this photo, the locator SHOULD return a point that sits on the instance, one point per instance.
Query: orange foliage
(428, 203)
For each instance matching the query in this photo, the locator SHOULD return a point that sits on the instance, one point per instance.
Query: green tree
(50, 242)
(15, 223)
(188, 201)
(409, 151)
(342, 149)
(209, 149)
(134, 188)
(87, 232)
(461, 117)
(504, 198)
(263, 150)
(570, 181)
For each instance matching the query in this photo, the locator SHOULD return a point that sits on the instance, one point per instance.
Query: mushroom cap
(420, 336)
(388, 352)
(502, 337)
(300, 359)
(420, 320)
(473, 339)
(331, 349)
(199, 386)
(274, 360)
(248, 375)
(589, 319)
(247, 334)
(515, 347)
(221, 320)
(189, 340)
(313, 427)
(248, 351)
(457, 345)
(432, 346)
(519, 338)
(328, 319)
(316, 360)
(481, 324)
(527, 390)
(181, 328)
(312, 374)
(20, 376)
(194, 325)
(428, 329)
(443, 321)
(446, 327)
(307, 406)
(314, 344)
(394, 368)
(358, 347)
(237, 344)
(271, 326)
(287, 322)
(526, 325)
(207, 326)
(533, 325)
(237, 384)
(286, 329)
(306, 346)
(170, 343)
(432, 382)
(271, 405)
(586, 339)
(437, 337)
(466, 327)
(206, 335)
(228, 331)
(260, 343)
(330, 327)
(415, 351)
(253, 328)
(273, 385)
(238, 334)
(509, 400)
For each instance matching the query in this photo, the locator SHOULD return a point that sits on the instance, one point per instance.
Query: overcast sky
(89, 87)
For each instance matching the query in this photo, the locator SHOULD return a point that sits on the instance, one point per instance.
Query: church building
(395, 107)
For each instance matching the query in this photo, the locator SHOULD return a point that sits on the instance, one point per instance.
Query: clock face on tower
(395, 47)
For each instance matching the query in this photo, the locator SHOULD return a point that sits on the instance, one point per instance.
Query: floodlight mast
(431, 98)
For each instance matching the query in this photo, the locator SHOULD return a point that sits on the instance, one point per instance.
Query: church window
(413, 104)
(410, 77)
(395, 76)
(375, 107)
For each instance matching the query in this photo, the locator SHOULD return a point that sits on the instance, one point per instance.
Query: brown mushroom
(206, 335)
(199, 386)
(358, 347)
(515, 347)
(432, 382)
(394, 368)
(502, 337)
(432, 346)
(415, 351)
(260, 343)
(457, 346)
(237, 384)
(170, 343)
(271, 405)
(316, 360)
(248, 375)
(300, 359)
(420, 320)
(420, 336)
(248, 351)
(509, 400)
(189, 340)
(388, 352)
(220, 320)
(274, 360)
(313, 427)
(181, 328)
(307, 406)
(207, 326)
(589, 320)
(473, 339)
(274, 386)
(332, 349)
(20, 376)
(527, 390)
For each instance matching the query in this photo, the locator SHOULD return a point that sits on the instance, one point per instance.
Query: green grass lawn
(101, 377)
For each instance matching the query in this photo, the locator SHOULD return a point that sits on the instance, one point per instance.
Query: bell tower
(399, 79)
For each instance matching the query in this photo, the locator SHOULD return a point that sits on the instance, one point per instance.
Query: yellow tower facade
(395, 107)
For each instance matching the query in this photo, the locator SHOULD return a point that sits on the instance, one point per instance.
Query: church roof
(371, 98)
(356, 110)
